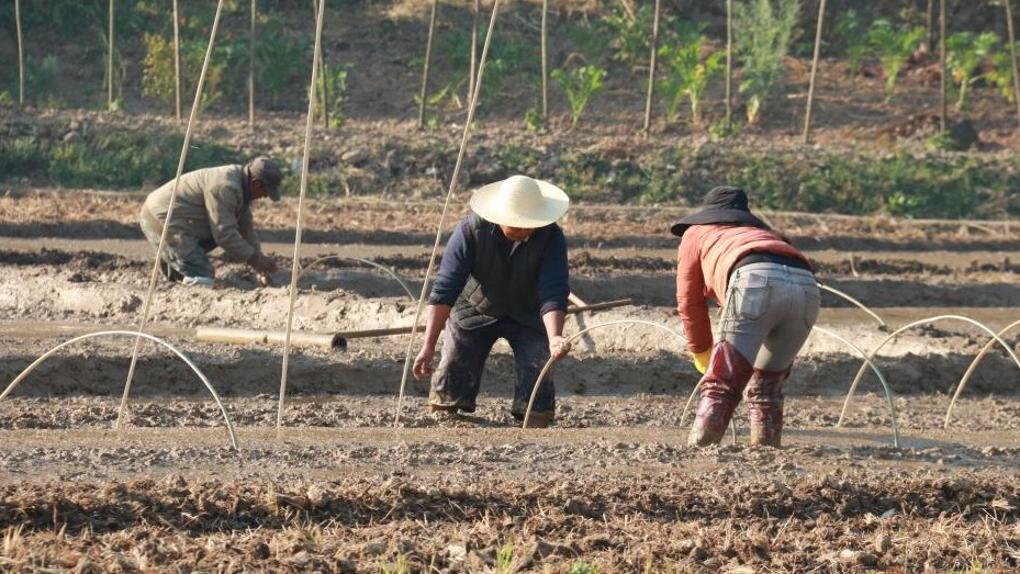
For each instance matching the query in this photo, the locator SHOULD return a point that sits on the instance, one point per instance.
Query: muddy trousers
(178, 261)
(457, 380)
(769, 312)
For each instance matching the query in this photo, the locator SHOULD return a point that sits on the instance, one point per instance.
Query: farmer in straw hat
(769, 299)
(503, 275)
(213, 209)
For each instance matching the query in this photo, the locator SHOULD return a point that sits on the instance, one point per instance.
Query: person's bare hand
(265, 264)
(559, 347)
(423, 362)
(264, 279)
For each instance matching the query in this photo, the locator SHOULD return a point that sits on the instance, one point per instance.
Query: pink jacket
(706, 255)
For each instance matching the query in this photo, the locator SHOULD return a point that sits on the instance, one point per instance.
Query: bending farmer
(769, 299)
(213, 209)
(503, 275)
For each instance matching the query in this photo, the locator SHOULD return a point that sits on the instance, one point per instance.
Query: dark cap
(268, 172)
(723, 204)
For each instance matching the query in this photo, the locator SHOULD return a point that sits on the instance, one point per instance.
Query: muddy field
(611, 487)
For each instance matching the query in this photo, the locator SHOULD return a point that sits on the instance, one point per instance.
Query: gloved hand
(701, 360)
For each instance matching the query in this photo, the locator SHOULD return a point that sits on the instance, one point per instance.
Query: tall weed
(687, 72)
(968, 52)
(893, 47)
(580, 84)
(850, 31)
(764, 30)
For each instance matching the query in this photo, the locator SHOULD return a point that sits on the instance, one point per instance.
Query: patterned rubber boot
(765, 407)
(721, 388)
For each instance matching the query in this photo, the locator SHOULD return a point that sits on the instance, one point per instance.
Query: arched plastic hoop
(572, 338)
(973, 367)
(894, 334)
(862, 306)
(208, 385)
(369, 262)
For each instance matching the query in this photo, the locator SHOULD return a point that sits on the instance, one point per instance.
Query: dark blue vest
(501, 286)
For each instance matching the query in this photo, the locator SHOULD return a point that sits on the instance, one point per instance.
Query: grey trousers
(768, 314)
(187, 263)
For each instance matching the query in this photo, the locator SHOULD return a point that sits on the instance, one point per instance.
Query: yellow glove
(701, 360)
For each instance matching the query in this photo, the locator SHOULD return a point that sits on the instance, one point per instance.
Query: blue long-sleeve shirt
(459, 256)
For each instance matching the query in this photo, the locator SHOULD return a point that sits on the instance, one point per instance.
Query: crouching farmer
(769, 299)
(213, 209)
(503, 275)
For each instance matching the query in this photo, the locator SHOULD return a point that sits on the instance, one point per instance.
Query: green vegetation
(850, 31)
(41, 77)
(582, 567)
(631, 32)
(282, 62)
(686, 72)
(506, 563)
(580, 84)
(968, 52)
(893, 47)
(332, 85)
(763, 31)
(112, 159)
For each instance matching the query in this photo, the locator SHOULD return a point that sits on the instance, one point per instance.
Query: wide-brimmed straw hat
(520, 201)
(723, 204)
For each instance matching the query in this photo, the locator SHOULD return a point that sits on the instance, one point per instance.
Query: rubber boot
(721, 389)
(765, 407)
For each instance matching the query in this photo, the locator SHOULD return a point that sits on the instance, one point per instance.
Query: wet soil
(612, 484)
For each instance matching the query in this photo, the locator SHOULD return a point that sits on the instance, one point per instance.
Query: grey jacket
(211, 205)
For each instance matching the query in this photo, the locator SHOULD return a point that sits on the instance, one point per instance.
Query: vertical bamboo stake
(325, 84)
(651, 70)
(425, 71)
(454, 178)
(251, 64)
(944, 112)
(295, 271)
(323, 69)
(814, 72)
(109, 66)
(147, 307)
(21, 54)
(930, 24)
(177, 64)
(729, 66)
(545, 60)
(477, 7)
(1012, 54)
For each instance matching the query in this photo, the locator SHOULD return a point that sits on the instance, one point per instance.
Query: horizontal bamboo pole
(245, 336)
(337, 340)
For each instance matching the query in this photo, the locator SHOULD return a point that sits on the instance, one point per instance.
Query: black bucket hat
(723, 204)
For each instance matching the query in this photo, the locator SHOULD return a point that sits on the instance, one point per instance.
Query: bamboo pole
(545, 60)
(251, 64)
(475, 10)
(454, 179)
(154, 274)
(1012, 55)
(729, 66)
(323, 70)
(944, 111)
(177, 64)
(109, 66)
(295, 266)
(651, 70)
(425, 70)
(814, 72)
(929, 25)
(21, 54)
